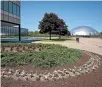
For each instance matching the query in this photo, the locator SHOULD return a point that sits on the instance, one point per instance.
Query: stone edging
(91, 65)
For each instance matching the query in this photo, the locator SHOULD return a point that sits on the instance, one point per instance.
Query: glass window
(2, 4)
(4, 29)
(6, 5)
(10, 7)
(14, 9)
(18, 11)
(7, 30)
(10, 30)
(1, 29)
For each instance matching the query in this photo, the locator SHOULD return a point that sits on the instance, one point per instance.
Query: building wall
(13, 31)
(10, 17)
(10, 11)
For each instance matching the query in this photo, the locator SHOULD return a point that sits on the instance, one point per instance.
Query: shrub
(49, 56)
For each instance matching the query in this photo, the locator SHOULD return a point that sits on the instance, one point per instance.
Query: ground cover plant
(48, 56)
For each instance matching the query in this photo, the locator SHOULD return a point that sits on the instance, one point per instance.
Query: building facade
(13, 31)
(10, 17)
(24, 32)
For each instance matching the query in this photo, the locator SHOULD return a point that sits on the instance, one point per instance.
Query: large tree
(51, 22)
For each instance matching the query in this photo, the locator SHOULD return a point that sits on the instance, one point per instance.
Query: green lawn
(49, 56)
(57, 39)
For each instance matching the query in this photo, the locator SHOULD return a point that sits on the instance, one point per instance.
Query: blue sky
(74, 13)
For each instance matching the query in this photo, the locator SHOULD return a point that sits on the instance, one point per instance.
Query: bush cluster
(50, 56)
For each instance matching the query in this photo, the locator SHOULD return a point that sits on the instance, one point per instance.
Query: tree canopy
(52, 23)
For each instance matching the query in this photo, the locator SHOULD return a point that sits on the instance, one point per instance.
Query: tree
(30, 33)
(51, 22)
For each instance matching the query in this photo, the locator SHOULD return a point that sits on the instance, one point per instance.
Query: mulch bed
(93, 79)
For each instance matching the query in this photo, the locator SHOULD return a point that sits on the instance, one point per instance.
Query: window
(6, 5)
(18, 11)
(14, 9)
(10, 7)
(2, 5)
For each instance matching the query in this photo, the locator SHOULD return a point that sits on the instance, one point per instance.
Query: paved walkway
(88, 44)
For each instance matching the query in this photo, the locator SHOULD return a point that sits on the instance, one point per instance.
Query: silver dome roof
(84, 30)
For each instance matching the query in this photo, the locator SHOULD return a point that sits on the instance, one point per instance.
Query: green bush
(49, 56)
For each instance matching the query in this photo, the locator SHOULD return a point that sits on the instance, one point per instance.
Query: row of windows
(10, 7)
(6, 30)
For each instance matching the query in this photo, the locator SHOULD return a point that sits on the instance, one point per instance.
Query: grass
(49, 56)
(57, 39)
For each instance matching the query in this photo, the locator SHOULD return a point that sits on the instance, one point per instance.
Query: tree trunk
(50, 35)
(59, 35)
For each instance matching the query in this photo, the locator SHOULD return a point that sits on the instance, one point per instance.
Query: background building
(13, 31)
(24, 32)
(84, 31)
(10, 17)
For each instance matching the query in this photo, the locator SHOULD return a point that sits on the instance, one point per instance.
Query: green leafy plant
(49, 56)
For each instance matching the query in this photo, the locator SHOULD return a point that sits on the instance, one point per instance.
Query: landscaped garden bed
(38, 55)
(52, 64)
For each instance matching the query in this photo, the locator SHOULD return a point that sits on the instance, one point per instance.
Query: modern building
(10, 17)
(84, 31)
(13, 31)
(24, 32)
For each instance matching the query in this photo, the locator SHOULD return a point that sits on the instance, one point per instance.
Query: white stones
(91, 65)
(5, 76)
(15, 77)
(71, 73)
(93, 68)
(65, 71)
(61, 73)
(2, 73)
(43, 78)
(36, 76)
(50, 76)
(22, 73)
(17, 72)
(77, 73)
(10, 71)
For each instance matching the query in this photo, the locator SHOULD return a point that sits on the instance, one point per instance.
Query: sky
(74, 13)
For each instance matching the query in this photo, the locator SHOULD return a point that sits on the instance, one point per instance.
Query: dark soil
(19, 49)
(93, 79)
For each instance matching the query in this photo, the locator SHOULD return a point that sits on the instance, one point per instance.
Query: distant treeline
(37, 33)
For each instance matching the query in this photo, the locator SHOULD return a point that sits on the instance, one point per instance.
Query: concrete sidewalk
(89, 44)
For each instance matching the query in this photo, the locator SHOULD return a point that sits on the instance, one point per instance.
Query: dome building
(84, 31)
